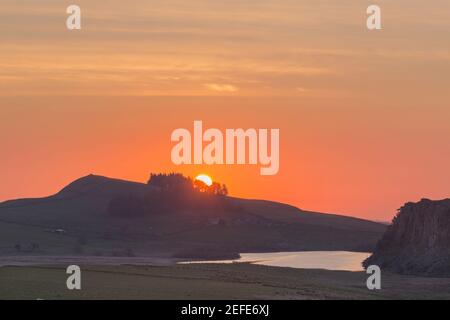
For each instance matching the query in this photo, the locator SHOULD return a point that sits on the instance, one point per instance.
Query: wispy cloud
(221, 87)
(205, 47)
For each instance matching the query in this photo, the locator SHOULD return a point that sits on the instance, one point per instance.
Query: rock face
(418, 240)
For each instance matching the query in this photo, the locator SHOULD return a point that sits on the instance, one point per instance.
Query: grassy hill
(76, 221)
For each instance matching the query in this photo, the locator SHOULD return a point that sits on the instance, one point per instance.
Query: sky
(363, 115)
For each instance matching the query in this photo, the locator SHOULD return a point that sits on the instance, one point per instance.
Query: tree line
(170, 192)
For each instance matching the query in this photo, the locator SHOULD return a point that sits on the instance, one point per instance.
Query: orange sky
(363, 115)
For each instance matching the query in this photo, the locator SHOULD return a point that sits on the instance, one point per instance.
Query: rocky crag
(418, 240)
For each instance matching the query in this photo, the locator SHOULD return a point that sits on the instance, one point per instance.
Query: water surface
(329, 260)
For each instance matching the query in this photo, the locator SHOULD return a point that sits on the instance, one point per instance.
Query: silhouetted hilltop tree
(200, 186)
(217, 189)
(172, 192)
(170, 182)
(223, 190)
(178, 182)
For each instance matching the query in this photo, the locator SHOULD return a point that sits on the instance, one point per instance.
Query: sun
(205, 179)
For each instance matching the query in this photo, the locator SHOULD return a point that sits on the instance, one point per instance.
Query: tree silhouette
(170, 193)
(171, 181)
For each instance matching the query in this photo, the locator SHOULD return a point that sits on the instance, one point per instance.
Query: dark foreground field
(211, 281)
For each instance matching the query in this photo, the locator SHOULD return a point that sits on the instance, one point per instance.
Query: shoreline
(323, 260)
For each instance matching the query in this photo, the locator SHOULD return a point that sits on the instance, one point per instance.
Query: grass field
(211, 281)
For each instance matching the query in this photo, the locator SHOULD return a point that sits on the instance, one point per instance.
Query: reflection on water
(330, 260)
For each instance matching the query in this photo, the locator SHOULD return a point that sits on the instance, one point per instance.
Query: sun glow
(205, 179)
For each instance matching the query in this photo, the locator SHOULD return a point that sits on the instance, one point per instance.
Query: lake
(330, 260)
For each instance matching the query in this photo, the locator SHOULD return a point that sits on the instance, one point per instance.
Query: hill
(76, 220)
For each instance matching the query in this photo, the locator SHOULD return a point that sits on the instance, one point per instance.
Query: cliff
(418, 240)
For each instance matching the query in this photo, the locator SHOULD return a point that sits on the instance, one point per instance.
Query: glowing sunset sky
(363, 116)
